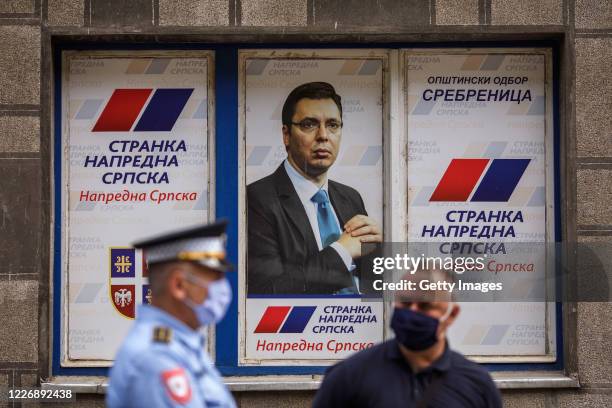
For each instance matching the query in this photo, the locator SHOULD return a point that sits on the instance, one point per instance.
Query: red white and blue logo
(285, 319)
(497, 185)
(160, 114)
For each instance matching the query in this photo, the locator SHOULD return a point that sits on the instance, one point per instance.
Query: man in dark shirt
(416, 368)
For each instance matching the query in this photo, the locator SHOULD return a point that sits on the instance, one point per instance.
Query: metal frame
(56, 41)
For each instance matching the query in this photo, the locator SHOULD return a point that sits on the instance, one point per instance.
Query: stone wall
(30, 28)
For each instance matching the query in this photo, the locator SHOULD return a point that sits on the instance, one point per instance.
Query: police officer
(162, 362)
(417, 368)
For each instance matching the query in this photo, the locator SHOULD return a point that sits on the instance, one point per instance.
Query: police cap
(204, 244)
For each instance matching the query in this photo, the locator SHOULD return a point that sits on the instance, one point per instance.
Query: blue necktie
(328, 228)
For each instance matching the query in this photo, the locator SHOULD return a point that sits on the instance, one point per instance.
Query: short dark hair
(310, 90)
(158, 276)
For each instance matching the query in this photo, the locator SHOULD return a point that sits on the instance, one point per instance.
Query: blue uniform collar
(151, 314)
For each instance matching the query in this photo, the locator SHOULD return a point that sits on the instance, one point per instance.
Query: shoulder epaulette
(162, 335)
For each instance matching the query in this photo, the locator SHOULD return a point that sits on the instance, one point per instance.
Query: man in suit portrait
(304, 230)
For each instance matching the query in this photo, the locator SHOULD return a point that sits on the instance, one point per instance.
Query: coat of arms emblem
(128, 281)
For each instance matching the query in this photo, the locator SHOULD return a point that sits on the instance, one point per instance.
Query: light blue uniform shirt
(167, 370)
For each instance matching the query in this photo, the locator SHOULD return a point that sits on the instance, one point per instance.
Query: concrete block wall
(21, 232)
(29, 28)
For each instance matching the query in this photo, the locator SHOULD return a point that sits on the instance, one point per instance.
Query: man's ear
(176, 284)
(443, 326)
(456, 309)
(286, 136)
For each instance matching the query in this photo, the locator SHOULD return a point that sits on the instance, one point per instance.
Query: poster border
(551, 312)
(62, 173)
(292, 54)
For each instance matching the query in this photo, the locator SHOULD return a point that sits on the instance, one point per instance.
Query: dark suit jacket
(283, 256)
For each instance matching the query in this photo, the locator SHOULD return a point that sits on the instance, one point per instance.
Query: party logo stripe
(500, 180)
(122, 110)
(298, 319)
(272, 318)
(459, 179)
(163, 110)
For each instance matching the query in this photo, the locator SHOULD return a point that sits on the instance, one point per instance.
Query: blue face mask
(416, 331)
(214, 307)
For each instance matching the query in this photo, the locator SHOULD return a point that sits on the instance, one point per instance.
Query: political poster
(135, 163)
(312, 125)
(479, 173)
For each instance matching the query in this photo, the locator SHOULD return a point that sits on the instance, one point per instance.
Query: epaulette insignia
(162, 335)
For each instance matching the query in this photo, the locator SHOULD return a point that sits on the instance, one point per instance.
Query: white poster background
(93, 327)
(439, 131)
(359, 82)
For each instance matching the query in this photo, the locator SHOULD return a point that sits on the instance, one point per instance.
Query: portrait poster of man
(314, 173)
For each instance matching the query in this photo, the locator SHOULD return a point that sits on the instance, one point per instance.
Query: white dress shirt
(305, 190)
